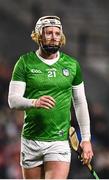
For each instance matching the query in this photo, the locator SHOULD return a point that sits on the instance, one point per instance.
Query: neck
(47, 56)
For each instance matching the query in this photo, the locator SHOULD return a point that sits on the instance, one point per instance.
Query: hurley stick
(76, 147)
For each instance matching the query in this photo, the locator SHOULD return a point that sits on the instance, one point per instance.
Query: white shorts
(35, 153)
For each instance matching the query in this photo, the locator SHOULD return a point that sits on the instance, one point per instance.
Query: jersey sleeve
(78, 76)
(19, 70)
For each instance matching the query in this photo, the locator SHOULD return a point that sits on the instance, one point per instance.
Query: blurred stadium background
(86, 25)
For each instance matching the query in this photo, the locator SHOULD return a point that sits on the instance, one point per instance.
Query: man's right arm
(15, 96)
(17, 101)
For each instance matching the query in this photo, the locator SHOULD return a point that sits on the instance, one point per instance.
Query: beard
(50, 47)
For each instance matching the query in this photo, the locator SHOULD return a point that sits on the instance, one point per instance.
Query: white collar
(48, 61)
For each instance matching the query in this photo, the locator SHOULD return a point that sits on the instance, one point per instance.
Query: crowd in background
(90, 48)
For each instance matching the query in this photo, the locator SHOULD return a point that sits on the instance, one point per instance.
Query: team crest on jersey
(66, 72)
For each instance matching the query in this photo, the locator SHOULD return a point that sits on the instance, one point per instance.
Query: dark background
(86, 26)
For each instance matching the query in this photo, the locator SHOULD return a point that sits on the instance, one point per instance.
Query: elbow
(11, 102)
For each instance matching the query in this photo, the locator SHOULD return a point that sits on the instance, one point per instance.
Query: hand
(87, 152)
(46, 102)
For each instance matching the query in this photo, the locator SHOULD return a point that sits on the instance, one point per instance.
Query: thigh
(57, 160)
(33, 173)
(56, 169)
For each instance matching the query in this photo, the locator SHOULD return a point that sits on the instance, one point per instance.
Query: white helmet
(47, 21)
(44, 22)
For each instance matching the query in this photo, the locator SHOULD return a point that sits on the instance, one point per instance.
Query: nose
(53, 36)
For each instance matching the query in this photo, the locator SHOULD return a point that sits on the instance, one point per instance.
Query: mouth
(52, 43)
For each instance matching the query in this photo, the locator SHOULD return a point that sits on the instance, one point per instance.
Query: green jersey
(54, 80)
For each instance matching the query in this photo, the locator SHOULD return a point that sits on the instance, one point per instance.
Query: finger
(91, 155)
(42, 104)
(47, 101)
(46, 107)
(49, 97)
(85, 158)
(47, 104)
(86, 161)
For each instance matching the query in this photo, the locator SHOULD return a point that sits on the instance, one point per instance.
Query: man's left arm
(82, 115)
